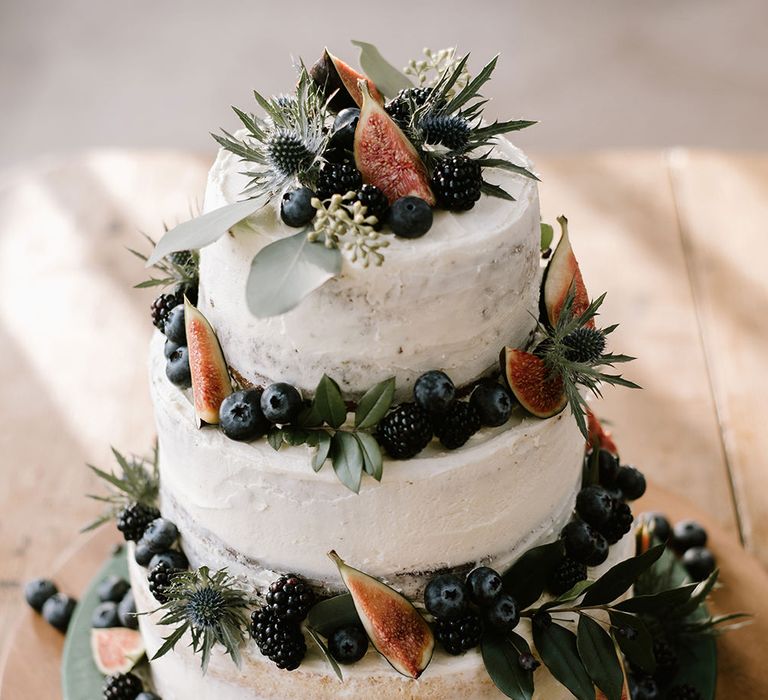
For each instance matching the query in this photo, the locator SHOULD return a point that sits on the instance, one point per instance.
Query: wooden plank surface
(74, 333)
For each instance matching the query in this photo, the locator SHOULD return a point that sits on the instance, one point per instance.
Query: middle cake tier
(260, 513)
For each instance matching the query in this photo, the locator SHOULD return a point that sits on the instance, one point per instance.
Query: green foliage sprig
(177, 268)
(212, 607)
(137, 481)
(351, 449)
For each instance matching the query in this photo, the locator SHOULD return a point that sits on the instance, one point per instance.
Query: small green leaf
(547, 234)
(385, 76)
(330, 403)
(295, 436)
(639, 648)
(287, 270)
(332, 613)
(375, 404)
(558, 650)
(526, 579)
(326, 654)
(204, 230)
(501, 661)
(665, 602)
(323, 448)
(373, 462)
(598, 652)
(575, 592)
(347, 460)
(618, 579)
(309, 417)
(275, 438)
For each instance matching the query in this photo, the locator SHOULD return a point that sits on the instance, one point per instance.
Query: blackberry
(584, 344)
(375, 202)
(405, 432)
(287, 153)
(162, 306)
(450, 130)
(459, 423)
(619, 524)
(338, 178)
(684, 692)
(461, 634)
(456, 183)
(132, 521)
(567, 574)
(182, 258)
(400, 106)
(278, 639)
(667, 661)
(290, 598)
(122, 686)
(528, 662)
(160, 578)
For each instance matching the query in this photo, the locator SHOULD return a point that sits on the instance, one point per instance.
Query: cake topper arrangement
(354, 158)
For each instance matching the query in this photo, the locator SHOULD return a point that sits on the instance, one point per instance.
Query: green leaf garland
(598, 653)
(560, 654)
(618, 579)
(501, 657)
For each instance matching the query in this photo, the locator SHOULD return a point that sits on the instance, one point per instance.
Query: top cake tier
(446, 301)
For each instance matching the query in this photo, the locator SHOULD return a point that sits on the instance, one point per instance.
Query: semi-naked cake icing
(409, 448)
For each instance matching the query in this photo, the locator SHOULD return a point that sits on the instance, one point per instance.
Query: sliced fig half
(332, 75)
(116, 649)
(538, 392)
(598, 436)
(397, 630)
(562, 273)
(210, 379)
(385, 157)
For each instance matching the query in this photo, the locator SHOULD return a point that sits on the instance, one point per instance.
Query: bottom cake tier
(178, 675)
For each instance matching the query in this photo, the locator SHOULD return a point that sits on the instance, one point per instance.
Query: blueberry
(281, 403)
(57, 611)
(584, 544)
(659, 525)
(504, 614)
(687, 534)
(160, 535)
(493, 402)
(594, 505)
(241, 417)
(445, 597)
(37, 591)
(112, 588)
(126, 611)
(172, 557)
(607, 467)
(410, 217)
(434, 391)
(632, 482)
(177, 368)
(643, 688)
(699, 563)
(105, 615)
(343, 134)
(169, 348)
(296, 207)
(484, 585)
(174, 328)
(142, 554)
(348, 644)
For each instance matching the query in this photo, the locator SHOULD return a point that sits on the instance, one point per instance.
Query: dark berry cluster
(122, 686)
(133, 520)
(56, 608)
(160, 578)
(463, 609)
(402, 106)
(248, 414)
(290, 597)
(457, 182)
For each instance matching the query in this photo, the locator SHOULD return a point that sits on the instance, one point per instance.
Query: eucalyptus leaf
(559, 653)
(329, 402)
(347, 460)
(638, 648)
(321, 645)
(374, 404)
(286, 271)
(204, 230)
(501, 661)
(526, 579)
(547, 235)
(330, 614)
(373, 462)
(618, 579)
(598, 653)
(323, 448)
(385, 76)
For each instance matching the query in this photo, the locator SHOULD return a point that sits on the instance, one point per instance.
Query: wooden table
(674, 237)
